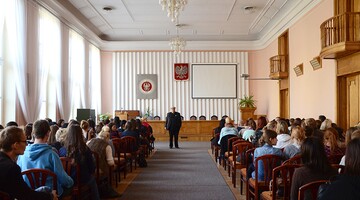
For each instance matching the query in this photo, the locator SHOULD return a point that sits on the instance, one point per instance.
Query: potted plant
(104, 116)
(148, 113)
(247, 107)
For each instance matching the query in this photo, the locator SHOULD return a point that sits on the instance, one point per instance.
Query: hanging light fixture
(173, 7)
(177, 43)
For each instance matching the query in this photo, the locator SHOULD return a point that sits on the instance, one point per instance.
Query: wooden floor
(122, 186)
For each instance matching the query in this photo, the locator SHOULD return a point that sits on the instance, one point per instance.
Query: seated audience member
(40, 155)
(11, 123)
(217, 130)
(121, 129)
(157, 117)
(75, 147)
(351, 134)
(325, 124)
(202, 117)
(347, 185)
(261, 123)
(142, 132)
(60, 123)
(130, 130)
(1, 127)
(249, 134)
(52, 138)
(149, 131)
(283, 137)
(224, 117)
(13, 144)
(117, 122)
(114, 133)
(322, 118)
(28, 132)
(272, 125)
(228, 129)
(316, 166)
(269, 139)
(87, 131)
(330, 142)
(214, 117)
(297, 138)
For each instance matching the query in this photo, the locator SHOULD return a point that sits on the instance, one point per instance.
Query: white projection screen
(214, 81)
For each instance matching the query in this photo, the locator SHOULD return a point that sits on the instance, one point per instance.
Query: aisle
(185, 173)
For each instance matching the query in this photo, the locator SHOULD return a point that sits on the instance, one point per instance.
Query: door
(284, 104)
(352, 100)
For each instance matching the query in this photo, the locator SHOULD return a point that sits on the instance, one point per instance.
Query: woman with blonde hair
(297, 138)
(283, 137)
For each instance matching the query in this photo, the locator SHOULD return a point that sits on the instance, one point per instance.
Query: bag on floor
(142, 161)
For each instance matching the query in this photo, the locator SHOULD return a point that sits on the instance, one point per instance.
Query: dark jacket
(344, 187)
(173, 121)
(12, 182)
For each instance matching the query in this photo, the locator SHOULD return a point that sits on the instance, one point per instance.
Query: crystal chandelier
(177, 44)
(173, 7)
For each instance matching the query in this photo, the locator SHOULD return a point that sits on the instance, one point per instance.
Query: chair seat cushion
(227, 154)
(266, 195)
(243, 172)
(252, 183)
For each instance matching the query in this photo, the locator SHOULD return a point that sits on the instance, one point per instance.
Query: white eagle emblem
(181, 71)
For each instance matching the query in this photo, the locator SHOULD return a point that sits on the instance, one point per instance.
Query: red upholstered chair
(239, 149)
(312, 187)
(249, 154)
(38, 177)
(269, 162)
(281, 176)
(80, 191)
(4, 196)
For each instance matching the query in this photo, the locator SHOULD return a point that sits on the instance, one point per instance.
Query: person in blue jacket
(40, 155)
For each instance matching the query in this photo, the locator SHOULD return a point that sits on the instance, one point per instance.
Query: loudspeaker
(85, 114)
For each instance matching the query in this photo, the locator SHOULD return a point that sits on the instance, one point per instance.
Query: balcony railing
(278, 67)
(341, 29)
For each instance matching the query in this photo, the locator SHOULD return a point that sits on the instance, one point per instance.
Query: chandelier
(173, 7)
(177, 44)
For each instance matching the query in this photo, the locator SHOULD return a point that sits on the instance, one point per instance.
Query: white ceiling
(204, 20)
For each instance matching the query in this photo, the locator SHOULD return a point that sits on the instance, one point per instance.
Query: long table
(194, 130)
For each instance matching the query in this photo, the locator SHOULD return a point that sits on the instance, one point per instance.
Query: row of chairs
(272, 170)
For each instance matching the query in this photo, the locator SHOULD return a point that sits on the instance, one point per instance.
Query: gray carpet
(185, 173)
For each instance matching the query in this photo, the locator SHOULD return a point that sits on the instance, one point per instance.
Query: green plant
(104, 116)
(148, 112)
(247, 102)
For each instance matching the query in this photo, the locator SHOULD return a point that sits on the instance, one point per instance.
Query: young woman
(297, 138)
(249, 134)
(76, 148)
(217, 130)
(283, 137)
(347, 185)
(316, 166)
(268, 139)
(331, 143)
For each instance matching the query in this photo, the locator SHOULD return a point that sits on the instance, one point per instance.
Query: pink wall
(106, 82)
(266, 92)
(311, 94)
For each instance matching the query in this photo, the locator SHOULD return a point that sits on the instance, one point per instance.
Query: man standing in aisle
(173, 125)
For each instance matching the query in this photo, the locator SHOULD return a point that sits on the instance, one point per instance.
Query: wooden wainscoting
(197, 130)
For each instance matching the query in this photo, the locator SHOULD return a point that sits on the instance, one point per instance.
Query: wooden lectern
(123, 116)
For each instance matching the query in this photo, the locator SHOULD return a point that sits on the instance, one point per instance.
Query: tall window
(2, 19)
(76, 70)
(95, 78)
(49, 56)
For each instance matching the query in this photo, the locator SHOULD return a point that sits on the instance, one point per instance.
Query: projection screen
(214, 81)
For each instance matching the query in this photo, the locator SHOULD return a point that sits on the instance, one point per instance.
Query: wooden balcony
(340, 35)
(278, 67)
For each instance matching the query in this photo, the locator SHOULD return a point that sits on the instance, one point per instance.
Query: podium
(123, 116)
(127, 114)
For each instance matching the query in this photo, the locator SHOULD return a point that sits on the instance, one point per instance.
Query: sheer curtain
(64, 86)
(95, 78)
(17, 54)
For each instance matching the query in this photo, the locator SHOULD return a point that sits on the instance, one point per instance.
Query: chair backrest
(68, 165)
(268, 162)
(230, 142)
(224, 143)
(38, 177)
(4, 196)
(214, 117)
(130, 144)
(249, 154)
(239, 149)
(283, 175)
(312, 187)
(294, 160)
(202, 117)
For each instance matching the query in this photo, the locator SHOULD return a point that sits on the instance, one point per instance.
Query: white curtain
(17, 54)
(84, 85)
(95, 78)
(64, 88)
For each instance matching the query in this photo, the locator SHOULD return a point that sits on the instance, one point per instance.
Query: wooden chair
(312, 187)
(4, 196)
(249, 154)
(120, 157)
(228, 153)
(80, 191)
(268, 162)
(230, 156)
(39, 177)
(238, 149)
(281, 175)
(131, 153)
(296, 160)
